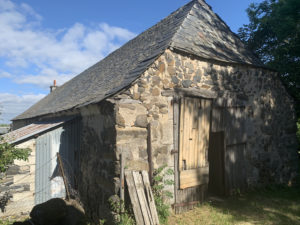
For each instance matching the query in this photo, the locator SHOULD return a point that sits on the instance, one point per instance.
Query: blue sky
(45, 40)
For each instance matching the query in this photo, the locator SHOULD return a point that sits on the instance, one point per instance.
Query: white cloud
(25, 44)
(44, 55)
(4, 74)
(12, 105)
(44, 80)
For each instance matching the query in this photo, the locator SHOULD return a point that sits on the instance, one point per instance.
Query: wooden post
(149, 150)
(176, 146)
(122, 162)
(61, 168)
(122, 181)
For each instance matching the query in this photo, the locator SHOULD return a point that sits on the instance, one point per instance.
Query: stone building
(185, 93)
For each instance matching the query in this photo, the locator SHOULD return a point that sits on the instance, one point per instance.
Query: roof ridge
(203, 33)
(192, 4)
(193, 28)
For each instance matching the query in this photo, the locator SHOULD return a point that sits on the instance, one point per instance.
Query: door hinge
(173, 151)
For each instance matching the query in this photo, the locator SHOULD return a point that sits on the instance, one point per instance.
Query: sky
(42, 41)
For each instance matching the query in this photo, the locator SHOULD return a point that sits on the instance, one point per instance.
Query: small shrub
(122, 216)
(160, 195)
(6, 222)
(8, 153)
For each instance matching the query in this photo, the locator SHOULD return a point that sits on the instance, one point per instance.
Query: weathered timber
(192, 92)
(142, 198)
(134, 198)
(194, 177)
(150, 198)
(176, 145)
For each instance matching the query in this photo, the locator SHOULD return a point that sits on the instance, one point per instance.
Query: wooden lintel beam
(193, 92)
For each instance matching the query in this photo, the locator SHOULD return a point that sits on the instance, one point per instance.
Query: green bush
(122, 216)
(8, 153)
(160, 195)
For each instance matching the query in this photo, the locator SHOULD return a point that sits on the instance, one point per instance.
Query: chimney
(53, 87)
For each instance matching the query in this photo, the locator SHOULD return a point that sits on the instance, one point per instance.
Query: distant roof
(31, 130)
(193, 28)
(4, 130)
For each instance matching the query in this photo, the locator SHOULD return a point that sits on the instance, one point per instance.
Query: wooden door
(228, 145)
(194, 141)
(216, 158)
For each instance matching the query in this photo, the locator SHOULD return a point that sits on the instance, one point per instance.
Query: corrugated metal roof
(31, 130)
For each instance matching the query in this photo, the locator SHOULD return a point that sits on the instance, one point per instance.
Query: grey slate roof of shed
(193, 28)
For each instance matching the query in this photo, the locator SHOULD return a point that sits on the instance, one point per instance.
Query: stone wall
(97, 168)
(19, 182)
(139, 106)
(271, 155)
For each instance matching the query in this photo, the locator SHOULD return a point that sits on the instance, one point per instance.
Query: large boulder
(75, 214)
(56, 211)
(51, 212)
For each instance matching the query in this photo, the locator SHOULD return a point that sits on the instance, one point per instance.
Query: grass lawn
(278, 206)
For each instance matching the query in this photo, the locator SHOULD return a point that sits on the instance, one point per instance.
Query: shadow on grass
(274, 206)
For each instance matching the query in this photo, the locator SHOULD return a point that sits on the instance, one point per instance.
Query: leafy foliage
(160, 195)
(274, 35)
(122, 215)
(8, 153)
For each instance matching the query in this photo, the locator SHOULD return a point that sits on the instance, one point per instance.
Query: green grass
(6, 222)
(277, 206)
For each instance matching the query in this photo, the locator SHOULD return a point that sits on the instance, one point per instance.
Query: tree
(9, 152)
(274, 35)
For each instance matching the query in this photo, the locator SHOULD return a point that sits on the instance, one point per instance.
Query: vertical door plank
(186, 135)
(194, 119)
(181, 127)
(176, 134)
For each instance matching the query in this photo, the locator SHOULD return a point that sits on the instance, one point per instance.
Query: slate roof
(193, 28)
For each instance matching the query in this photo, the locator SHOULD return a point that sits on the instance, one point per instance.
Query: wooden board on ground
(141, 198)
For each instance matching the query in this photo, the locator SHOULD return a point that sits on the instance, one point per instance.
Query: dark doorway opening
(216, 158)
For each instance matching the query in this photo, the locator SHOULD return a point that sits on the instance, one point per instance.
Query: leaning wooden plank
(150, 198)
(142, 198)
(134, 198)
(194, 177)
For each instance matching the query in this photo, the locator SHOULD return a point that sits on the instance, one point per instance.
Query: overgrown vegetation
(122, 216)
(161, 196)
(6, 222)
(274, 35)
(272, 206)
(8, 153)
